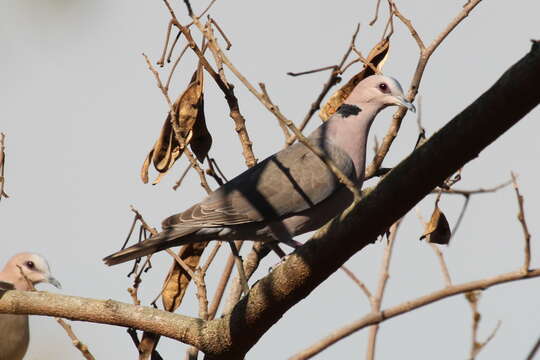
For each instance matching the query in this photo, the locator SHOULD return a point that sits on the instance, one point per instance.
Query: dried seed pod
(377, 56)
(437, 230)
(191, 125)
(178, 280)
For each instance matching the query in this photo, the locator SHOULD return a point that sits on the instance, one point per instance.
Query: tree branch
(378, 317)
(180, 327)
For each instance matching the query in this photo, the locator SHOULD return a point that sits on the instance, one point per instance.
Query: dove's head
(35, 268)
(379, 91)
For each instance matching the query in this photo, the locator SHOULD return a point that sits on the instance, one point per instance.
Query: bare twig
(212, 172)
(212, 162)
(331, 67)
(376, 300)
(424, 57)
(332, 80)
(181, 262)
(253, 259)
(476, 346)
(409, 26)
(201, 293)
(229, 44)
(239, 266)
(160, 85)
(222, 284)
(359, 282)
(211, 257)
(26, 279)
(376, 16)
(144, 228)
(2, 166)
(189, 9)
(144, 224)
(349, 64)
(182, 177)
(523, 222)
(195, 165)
(437, 251)
(173, 46)
(481, 190)
(460, 217)
(161, 61)
(442, 264)
(534, 350)
(75, 340)
(389, 27)
(365, 61)
(168, 83)
(207, 8)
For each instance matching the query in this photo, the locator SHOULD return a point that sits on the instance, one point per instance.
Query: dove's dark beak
(401, 101)
(51, 280)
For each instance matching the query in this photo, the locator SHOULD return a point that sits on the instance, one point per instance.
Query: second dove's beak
(51, 280)
(400, 100)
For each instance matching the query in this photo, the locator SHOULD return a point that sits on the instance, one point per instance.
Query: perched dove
(290, 192)
(14, 331)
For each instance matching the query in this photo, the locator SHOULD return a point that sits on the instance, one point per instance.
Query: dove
(289, 193)
(14, 330)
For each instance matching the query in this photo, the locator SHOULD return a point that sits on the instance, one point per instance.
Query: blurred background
(81, 110)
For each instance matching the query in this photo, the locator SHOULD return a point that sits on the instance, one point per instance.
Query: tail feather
(161, 241)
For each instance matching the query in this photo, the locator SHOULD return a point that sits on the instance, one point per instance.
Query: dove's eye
(383, 87)
(30, 264)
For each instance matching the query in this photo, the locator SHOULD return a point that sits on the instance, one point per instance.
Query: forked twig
(476, 346)
(408, 306)
(333, 79)
(425, 54)
(75, 340)
(523, 222)
(376, 300)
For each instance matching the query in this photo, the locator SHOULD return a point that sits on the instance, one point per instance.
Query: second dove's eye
(383, 87)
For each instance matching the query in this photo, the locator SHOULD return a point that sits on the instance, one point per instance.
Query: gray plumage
(290, 192)
(14, 330)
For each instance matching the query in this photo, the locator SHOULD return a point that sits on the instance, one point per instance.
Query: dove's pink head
(35, 269)
(378, 91)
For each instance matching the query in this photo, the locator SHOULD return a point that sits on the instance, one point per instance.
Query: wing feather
(283, 184)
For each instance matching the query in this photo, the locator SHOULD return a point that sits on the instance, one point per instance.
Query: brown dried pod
(191, 125)
(178, 280)
(437, 230)
(202, 140)
(377, 56)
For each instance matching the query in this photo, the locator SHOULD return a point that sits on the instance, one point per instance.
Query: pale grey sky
(81, 110)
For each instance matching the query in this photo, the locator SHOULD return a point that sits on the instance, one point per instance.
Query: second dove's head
(35, 268)
(380, 91)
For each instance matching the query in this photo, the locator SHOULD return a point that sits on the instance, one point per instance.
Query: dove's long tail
(161, 241)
